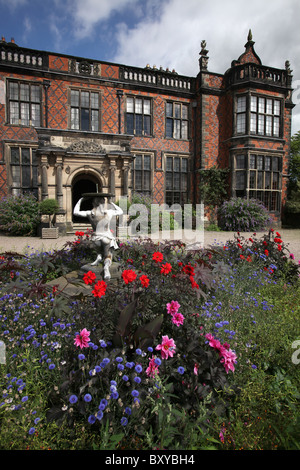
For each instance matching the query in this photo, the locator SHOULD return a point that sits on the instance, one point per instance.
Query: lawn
(188, 350)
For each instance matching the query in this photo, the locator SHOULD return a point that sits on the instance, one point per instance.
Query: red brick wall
(58, 63)
(159, 143)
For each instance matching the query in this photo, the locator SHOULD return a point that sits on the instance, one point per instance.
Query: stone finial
(288, 67)
(203, 60)
(249, 35)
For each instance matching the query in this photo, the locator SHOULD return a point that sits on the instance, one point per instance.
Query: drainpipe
(46, 84)
(120, 94)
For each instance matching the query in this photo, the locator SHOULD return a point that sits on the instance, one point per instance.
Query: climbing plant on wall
(213, 188)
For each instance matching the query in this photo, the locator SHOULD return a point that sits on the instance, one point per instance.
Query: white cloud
(13, 4)
(172, 38)
(88, 13)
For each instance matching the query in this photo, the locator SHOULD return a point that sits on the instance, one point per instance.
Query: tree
(294, 170)
(292, 206)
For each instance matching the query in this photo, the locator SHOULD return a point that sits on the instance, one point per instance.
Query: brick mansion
(70, 125)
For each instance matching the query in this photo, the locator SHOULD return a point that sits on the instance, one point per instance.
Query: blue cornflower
(99, 415)
(138, 368)
(113, 382)
(73, 399)
(91, 419)
(150, 349)
(106, 360)
(52, 366)
(137, 380)
(135, 393)
(180, 370)
(138, 351)
(87, 397)
(157, 361)
(119, 359)
(81, 357)
(24, 399)
(128, 410)
(254, 366)
(120, 367)
(114, 395)
(103, 402)
(36, 420)
(102, 343)
(125, 377)
(31, 431)
(129, 365)
(124, 421)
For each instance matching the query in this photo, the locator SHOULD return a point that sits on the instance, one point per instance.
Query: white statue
(100, 217)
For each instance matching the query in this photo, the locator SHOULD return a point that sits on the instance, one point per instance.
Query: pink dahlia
(82, 340)
(167, 347)
(178, 318)
(173, 307)
(152, 369)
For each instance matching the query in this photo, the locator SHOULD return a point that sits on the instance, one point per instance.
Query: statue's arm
(77, 210)
(116, 209)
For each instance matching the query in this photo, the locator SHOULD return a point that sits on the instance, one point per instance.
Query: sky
(165, 33)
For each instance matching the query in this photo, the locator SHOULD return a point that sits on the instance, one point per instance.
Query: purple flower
(73, 399)
(91, 419)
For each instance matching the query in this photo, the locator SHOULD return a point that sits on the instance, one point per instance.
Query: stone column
(44, 176)
(112, 171)
(59, 187)
(126, 171)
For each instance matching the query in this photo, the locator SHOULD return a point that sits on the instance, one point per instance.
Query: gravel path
(31, 244)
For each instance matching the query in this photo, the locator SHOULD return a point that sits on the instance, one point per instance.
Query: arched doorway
(83, 184)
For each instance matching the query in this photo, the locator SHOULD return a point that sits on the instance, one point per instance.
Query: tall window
(138, 115)
(241, 115)
(177, 120)
(141, 174)
(261, 117)
(259, 177)
(24, 103)
(176, 180)
(265, 116)
(23, 165)
(85, 110)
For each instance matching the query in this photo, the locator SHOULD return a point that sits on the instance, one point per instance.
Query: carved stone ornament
(86, 147)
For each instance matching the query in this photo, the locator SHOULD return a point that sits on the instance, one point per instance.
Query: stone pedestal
(2, 353)
(115, 270)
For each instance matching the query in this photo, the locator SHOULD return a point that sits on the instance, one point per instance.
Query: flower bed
(159, 359)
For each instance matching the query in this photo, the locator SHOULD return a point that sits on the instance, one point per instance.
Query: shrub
(243, 215)
(19, 215)
(270, 253)
(48, 207)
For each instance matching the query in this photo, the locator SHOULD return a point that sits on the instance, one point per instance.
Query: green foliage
(243, 215)
(19, 215)
(213, 188)
(182, 407)
(268, 252)
(49, 207)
